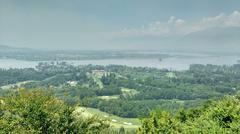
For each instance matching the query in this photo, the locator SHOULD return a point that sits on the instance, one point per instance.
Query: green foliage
(121, 130)
(153, 88)
(216, 117)
(39, 112)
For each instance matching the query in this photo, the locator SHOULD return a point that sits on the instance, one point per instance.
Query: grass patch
(109, 97)
(127, 92)
(16, 84)
(115, 121)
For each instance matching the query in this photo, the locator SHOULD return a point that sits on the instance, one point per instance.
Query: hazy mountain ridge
(56, 55)
(210, 40)
(5, 48)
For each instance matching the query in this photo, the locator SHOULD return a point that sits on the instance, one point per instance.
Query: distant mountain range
(7, 49)
(7, 52)
(210, 40)
(217, 39)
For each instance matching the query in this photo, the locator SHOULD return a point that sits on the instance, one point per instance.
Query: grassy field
(128, 92)
(109, 97)
(115, 121)
(97, 79)
(16, 84)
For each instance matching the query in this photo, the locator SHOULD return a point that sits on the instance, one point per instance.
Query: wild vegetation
(131, 92)
(127, 91)
(38, 112)
(215, 117)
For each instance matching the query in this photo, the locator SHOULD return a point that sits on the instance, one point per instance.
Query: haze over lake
(174, 63)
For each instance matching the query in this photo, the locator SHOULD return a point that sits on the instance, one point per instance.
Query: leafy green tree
(39, 112)
(121, 130)
(216, 117)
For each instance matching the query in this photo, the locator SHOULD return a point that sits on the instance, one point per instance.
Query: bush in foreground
(216, 117)
(40, 112)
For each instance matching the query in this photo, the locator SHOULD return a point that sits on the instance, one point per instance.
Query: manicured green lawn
(115, 121)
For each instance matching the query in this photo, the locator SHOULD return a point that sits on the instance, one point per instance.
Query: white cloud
(179, 22)
(233, 19)
(180, 27)
(171, 19)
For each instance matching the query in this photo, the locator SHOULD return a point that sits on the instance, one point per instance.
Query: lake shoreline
(177, 62)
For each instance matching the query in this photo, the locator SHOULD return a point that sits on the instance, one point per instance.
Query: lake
(174, 63)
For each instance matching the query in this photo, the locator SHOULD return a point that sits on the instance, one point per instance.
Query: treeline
(147, 88)
(38, 112)
(138, 109)
(215, 117)
(41, 72)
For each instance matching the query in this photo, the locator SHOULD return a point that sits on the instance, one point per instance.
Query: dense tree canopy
(216, 117)
(39, 112)
(144, 88)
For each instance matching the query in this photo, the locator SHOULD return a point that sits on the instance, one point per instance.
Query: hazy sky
(121, 24)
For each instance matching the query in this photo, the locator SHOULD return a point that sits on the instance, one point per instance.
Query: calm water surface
(175, 63)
